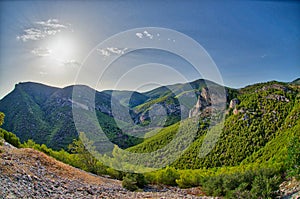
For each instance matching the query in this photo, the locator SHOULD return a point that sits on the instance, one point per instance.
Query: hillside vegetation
(257, 148)
(44, 114)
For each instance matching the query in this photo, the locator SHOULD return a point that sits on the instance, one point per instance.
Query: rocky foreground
(27, 173)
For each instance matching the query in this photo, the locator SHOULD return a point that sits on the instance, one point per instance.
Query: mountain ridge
(261, 122)
(44, 113)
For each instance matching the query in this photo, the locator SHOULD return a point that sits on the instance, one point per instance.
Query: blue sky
(47, 41)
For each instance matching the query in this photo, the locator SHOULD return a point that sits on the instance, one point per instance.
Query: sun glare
(62, 48)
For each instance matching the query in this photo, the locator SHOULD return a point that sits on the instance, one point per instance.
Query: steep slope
(131, 98)
(24, 113)
(276, 149)
(176, 88)
(178, 99)
(26, 173)
(296, 81)
(44, 114)
(265, 113)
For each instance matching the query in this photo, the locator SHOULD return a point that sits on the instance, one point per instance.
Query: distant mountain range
(44, 114)
(256, 116)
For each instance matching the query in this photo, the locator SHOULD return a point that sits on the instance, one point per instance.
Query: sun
(62, 48)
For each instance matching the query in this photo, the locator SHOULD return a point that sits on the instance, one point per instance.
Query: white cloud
(144, 34)
(31, 34)
(117, 51)
(41, 30)
(71, 63)
(104, 52)
(41, 52)
(147, 34)
(111, 51)
(51, 23)
(139, 35)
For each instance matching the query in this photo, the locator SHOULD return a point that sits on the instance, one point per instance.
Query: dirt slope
(27, 173)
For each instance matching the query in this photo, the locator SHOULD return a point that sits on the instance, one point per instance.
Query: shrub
(129, 182)
(240, 192)
(168, 176)
(114, 173)
(188, 179)
(264, 187)
(250, 184)
(10, 138)
(1, 118)
(294, 158)
(214, 186)
(133, 181)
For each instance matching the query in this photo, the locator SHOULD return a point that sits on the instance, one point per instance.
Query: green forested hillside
(257, 148)
(296, 81)
(44, 114)
(258, 129)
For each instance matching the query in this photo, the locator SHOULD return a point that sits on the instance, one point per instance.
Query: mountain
(255, 116)
(296, 81)
(258, 126)
(128, 98)
(44, 114)
(179, 99)
(255, 149)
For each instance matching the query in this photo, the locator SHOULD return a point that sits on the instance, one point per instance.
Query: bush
(1, 141)
(129, 183)
(133, 182)
(114, 173)
(168, 176)
(250, 184)
(214, 186)
(294, 158)
(240, 192)
(10, 138)
(264, 187)
(188, 179)
(1, 118)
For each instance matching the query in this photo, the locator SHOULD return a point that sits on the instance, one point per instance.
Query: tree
(10, 138)
(81, 147)
(1, 118)
(168, 176)
(133, 181)
(294, 157)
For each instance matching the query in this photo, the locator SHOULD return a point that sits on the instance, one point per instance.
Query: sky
(58, 43)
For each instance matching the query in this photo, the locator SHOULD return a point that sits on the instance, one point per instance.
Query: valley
(261, 122)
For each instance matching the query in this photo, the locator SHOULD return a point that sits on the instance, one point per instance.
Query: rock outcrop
(278, 98)
(204, 100)
(233, 103)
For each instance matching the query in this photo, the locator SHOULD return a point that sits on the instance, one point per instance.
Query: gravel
(24, 174)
